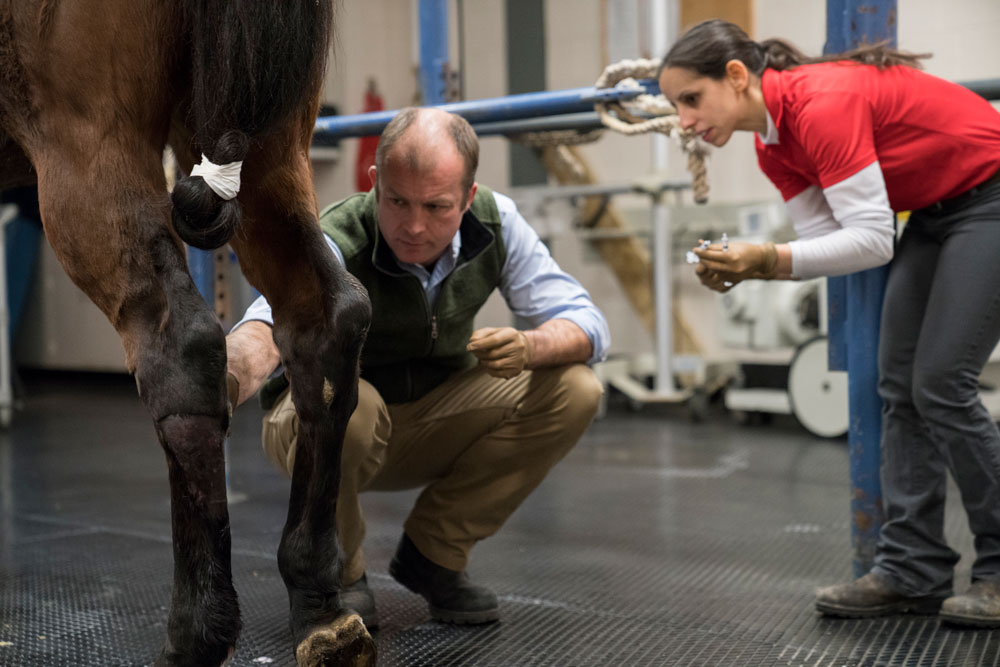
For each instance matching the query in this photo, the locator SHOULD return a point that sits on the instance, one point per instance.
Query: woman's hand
(714, 280)
(738, 262)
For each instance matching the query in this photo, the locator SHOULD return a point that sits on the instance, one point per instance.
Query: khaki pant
(477, 444)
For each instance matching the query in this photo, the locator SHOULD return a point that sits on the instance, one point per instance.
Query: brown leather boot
(870, 596)
(979, 607)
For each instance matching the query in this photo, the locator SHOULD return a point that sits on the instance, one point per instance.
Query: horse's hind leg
(110, 230)
(321, 315)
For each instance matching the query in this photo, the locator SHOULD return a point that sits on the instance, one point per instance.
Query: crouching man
(474, 418)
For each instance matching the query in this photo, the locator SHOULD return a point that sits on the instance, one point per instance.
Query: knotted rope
(622, 116)
(643, 114)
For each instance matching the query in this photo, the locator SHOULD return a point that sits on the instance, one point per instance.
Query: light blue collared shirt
(531, 282)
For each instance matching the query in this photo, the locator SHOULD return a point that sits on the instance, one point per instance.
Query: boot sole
(970, 621)
(925, 607)
(480, 617)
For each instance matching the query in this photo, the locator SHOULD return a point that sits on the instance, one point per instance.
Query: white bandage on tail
(224, 179)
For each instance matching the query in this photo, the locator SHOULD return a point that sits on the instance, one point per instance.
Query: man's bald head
(417, 136)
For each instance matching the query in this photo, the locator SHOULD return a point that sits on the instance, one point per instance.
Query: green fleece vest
(411, 347)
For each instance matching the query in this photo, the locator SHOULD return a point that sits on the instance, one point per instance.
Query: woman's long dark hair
(253, 64)
(708, 46)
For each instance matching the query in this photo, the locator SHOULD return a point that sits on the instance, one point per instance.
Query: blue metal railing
(496, 109)
(535, 112)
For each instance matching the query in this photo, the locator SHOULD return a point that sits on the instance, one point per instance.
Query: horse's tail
(254, 63)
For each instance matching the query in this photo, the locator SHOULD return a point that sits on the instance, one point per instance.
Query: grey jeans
(940, 322)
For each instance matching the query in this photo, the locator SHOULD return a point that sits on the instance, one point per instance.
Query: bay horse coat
(91, 91)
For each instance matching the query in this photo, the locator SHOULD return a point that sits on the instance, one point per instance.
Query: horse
(90, 95)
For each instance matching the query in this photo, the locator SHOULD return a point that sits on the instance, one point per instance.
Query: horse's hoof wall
(342, 643)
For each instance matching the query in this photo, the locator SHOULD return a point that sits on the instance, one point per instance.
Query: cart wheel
(818, 395)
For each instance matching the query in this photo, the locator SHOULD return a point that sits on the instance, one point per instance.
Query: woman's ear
(737, 75)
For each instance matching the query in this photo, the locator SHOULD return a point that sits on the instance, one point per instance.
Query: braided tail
(254, 64)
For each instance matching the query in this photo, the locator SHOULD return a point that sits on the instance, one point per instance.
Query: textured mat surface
(656, 542)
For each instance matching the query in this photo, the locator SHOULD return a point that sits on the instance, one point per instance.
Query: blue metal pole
(855, 312)
(494, 109)
(836, 328)
(433, 18)
(582, 122)
(201, 264)
(551, 110)
(986, 88)
(865, 292)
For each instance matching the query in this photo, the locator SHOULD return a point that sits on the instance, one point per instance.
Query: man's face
(420, 210)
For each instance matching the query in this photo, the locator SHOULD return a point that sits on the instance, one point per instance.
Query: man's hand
(252, 356)
(232, 389)
(503, 352)
(739, 262)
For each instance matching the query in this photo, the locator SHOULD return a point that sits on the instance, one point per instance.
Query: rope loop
(642, 114)
(650, 113)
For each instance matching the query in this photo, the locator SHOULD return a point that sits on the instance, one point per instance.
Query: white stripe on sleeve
(847, 227)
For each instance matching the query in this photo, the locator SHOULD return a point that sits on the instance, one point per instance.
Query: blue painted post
(836, 328)
(202, 267)
(865, 292)
(855, 310)
(433, 21)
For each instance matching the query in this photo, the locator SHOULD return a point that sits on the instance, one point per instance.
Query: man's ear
(472, 195)
(738, 75)
(371, 175)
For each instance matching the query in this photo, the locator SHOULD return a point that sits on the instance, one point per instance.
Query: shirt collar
(444, 264)
(771, 85)
(771, 138)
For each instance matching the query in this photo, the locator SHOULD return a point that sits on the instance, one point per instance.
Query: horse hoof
(342, 643)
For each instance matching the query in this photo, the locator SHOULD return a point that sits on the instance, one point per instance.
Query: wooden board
(740, 12)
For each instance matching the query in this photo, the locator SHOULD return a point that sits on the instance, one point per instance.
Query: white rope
(224, 179)
(630, 117)
(623, 116)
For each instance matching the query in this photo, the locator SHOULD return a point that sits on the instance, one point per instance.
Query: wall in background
(377, 40)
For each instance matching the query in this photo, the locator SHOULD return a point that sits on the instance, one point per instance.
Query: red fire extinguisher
(367, 145)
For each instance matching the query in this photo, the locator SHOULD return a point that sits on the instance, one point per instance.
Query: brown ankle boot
(870, 596)
(979, 607)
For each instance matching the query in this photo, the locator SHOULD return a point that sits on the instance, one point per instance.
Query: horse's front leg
(321, 315)
(112, 234)
(182, 384)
